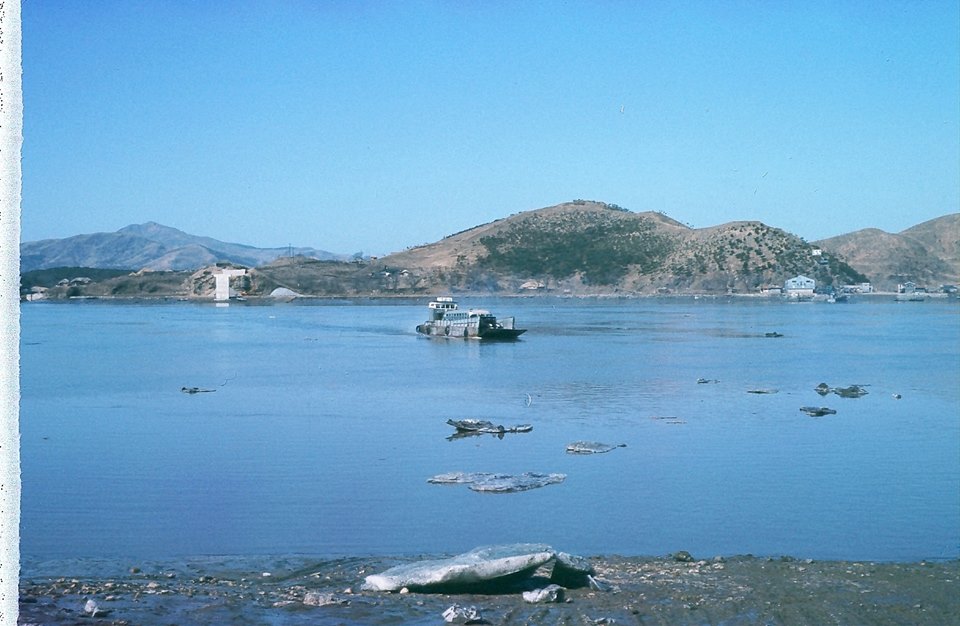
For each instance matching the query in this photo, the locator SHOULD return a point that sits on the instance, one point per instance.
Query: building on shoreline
(799, 287)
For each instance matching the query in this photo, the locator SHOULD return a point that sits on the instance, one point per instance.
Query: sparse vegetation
(602, 251)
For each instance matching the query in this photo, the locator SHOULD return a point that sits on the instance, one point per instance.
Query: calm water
(328, 419)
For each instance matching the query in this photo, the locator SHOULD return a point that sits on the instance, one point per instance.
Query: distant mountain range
(579, 247)
(150, 246)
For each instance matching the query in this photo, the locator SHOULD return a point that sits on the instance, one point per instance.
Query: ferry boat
(448, 320)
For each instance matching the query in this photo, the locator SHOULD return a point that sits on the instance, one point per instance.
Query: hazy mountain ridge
(150, 246)
(579, 247)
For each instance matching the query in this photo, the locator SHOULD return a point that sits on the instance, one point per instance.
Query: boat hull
(444, 331)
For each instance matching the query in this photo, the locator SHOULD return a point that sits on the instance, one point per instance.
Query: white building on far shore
(799, 287)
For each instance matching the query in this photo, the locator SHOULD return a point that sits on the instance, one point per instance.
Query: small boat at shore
(448, 320)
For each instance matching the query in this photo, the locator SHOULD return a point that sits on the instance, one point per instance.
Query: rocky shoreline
(676, 589)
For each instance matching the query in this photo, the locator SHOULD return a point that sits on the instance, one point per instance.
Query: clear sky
(374, 126)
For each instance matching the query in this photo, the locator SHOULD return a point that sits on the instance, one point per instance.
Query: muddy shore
(639, 590)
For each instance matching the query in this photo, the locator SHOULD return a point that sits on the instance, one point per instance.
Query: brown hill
(591, 247)
(941, 238)
(927, 254)
(467, 247)
(745, 256)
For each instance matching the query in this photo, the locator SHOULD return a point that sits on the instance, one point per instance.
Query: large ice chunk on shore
(480, 565)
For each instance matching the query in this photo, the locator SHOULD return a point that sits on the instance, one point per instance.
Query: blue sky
(375, 126)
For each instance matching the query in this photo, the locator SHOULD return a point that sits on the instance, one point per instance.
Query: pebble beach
(678, 589)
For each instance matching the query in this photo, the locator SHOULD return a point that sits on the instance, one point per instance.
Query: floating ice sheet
(498, 483)
(592, 447)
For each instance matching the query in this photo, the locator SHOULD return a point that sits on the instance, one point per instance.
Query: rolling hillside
(579, 247)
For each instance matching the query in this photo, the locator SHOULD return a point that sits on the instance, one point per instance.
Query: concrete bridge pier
(222, 293)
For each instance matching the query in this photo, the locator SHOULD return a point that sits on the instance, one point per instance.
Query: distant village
(804, 288)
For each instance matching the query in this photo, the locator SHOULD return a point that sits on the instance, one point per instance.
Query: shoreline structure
(676, 589)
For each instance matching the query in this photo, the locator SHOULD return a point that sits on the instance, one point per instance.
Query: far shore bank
(394, 297)
(637, 590)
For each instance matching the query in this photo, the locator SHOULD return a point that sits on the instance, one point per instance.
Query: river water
(326, 419)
